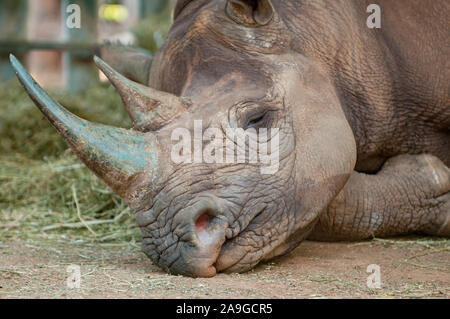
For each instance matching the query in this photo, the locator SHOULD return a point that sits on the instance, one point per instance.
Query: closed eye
(256, 121)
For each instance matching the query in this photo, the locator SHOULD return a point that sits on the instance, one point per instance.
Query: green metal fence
(13, 19)
(77, 45)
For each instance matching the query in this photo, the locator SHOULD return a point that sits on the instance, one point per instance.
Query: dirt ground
(410, 268)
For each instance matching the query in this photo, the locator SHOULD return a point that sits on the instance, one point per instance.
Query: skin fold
(363, 117)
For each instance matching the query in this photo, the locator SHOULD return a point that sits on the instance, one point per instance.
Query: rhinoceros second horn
(148, 108)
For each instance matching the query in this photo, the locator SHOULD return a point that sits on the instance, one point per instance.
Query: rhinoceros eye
(257, 120)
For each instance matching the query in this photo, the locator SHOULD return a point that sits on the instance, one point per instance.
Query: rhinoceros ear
(251, 12)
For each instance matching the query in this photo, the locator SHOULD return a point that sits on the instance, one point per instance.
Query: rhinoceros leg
(133, 63)
(411, 194)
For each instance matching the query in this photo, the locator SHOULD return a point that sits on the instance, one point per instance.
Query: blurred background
(59, 54)
(44, 188)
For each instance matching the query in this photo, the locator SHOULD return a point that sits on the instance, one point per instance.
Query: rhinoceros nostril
(202, 222)
(207, 228)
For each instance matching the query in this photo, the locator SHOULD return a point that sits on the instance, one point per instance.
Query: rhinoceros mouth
(215, 249)
(232, 253)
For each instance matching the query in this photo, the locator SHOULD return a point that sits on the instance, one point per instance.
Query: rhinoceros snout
(200, 229)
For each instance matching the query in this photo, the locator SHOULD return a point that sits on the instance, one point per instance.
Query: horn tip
(107, 70)
(97, 59)
(101, 64)
(21, 73)
(14, 62)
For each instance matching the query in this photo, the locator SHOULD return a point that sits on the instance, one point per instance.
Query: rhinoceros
(362, 117)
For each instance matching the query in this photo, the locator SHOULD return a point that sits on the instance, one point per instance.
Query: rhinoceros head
(226, 65)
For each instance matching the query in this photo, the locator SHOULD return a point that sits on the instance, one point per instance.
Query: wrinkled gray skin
(364, 118)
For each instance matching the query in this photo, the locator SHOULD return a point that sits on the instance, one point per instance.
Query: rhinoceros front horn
(149, 109)
(119, 157)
